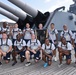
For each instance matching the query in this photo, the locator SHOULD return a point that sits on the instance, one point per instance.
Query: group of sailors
(40, 43)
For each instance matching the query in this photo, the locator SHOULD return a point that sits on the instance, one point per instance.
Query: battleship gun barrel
(12, 10)
(38, 17)
(12, 17)
(23, 17)
(25, 7)
(9, 15)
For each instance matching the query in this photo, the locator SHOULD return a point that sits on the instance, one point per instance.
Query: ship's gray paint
(19, 14)
(60, 18)
(25, 7)
(9, 15)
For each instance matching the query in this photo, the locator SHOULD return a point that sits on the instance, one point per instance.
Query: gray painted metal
(19, 14)
(61, 18)
(48, 21)
(52, 15)
(74, 0)
(25, 7)
(9, 15)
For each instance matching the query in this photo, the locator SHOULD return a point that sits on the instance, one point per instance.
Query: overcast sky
(42, 5)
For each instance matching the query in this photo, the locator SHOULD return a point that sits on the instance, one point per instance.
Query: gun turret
(25, 7)
(37, 15)
(72, 8)
(23, 17)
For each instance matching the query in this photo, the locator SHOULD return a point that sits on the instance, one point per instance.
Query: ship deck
(38, 69)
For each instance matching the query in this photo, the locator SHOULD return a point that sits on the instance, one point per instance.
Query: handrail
(51, 16)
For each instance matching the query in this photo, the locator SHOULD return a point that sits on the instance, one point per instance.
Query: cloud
(7, 20)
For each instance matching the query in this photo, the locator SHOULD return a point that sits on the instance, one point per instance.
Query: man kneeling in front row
(33, 48)
(64, 49)
(19, 49)
(47, 52)
(5, 48)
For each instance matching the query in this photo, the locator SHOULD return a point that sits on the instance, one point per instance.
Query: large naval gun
(9, 15)
(18, 16)
(34, 17)
(58, 17)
